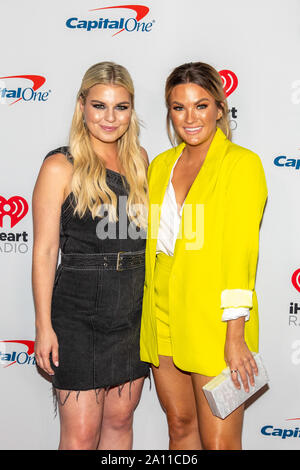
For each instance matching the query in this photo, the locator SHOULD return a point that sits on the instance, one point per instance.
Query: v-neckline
(173, 189)
(179, 208)
(171, 177)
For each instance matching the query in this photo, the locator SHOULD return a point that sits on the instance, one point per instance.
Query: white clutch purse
(222, 395)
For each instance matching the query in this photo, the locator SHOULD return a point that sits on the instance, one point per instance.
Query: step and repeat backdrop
(45, 50)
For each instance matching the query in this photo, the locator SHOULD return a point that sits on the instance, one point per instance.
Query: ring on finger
(233, 371)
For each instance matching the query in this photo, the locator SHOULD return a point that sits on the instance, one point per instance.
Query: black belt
(113, 261)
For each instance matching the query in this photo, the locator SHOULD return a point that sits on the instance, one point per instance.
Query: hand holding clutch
(222, 395)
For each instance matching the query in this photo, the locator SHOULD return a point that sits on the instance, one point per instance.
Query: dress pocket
(115, 304)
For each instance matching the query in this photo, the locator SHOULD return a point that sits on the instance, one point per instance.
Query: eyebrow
(102, 102)
(197, 102)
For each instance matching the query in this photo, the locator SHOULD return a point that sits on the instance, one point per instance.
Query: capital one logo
(24, 88)
(282, 432)
(16, 352)
(15, 207)
(286, 162)
(121, 24)
(230, 81)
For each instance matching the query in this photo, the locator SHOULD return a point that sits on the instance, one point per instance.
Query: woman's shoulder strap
(64, 150)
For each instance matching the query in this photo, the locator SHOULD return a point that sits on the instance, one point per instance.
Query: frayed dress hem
(57, 399)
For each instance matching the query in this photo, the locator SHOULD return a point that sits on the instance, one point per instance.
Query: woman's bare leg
(175, 392)
(80, 419)
(119, 406)
(216, 433)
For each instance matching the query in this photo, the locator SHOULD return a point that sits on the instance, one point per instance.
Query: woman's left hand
(238, 356)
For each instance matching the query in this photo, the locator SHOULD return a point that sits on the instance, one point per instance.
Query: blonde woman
(200, 308)
(89, 203)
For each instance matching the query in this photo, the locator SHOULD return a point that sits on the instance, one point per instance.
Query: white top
(170, 219)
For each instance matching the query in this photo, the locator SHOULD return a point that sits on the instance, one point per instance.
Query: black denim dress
(96, 308)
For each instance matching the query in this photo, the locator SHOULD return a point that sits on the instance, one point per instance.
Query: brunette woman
(207, 197)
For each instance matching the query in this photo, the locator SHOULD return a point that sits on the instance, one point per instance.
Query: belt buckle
(118, 260)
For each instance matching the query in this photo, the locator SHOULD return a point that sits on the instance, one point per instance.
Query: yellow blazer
(215, 256)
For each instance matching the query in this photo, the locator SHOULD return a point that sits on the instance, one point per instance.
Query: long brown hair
(208, 78)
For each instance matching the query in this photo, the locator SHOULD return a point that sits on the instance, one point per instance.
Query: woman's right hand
(45, 344)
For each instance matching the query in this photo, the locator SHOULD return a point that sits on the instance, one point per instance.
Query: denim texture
(96, 311)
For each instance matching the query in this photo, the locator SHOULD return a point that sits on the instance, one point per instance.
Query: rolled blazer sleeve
(246, 195)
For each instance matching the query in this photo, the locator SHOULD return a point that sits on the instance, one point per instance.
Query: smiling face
(107, 112)
(194, 114)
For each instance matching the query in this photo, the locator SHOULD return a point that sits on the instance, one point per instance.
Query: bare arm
(49, 193)
(237, 354)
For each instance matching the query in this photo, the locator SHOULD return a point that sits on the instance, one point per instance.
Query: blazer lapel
(206, 179)
(157, 193)
(203, 185)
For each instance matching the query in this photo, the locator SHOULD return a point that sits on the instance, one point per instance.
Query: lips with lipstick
(108, 128)
(193, 130)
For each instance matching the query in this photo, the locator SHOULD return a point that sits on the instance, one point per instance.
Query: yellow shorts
(163, 267)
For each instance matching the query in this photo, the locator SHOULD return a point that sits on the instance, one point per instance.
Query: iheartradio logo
(15, 207)
(230, 81)
(296, 279)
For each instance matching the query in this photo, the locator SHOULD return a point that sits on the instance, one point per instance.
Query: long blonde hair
(208, 78)
(89, 176)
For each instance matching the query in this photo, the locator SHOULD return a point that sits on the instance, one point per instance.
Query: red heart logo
(16, 207)
(230, 81)
(296, 280)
